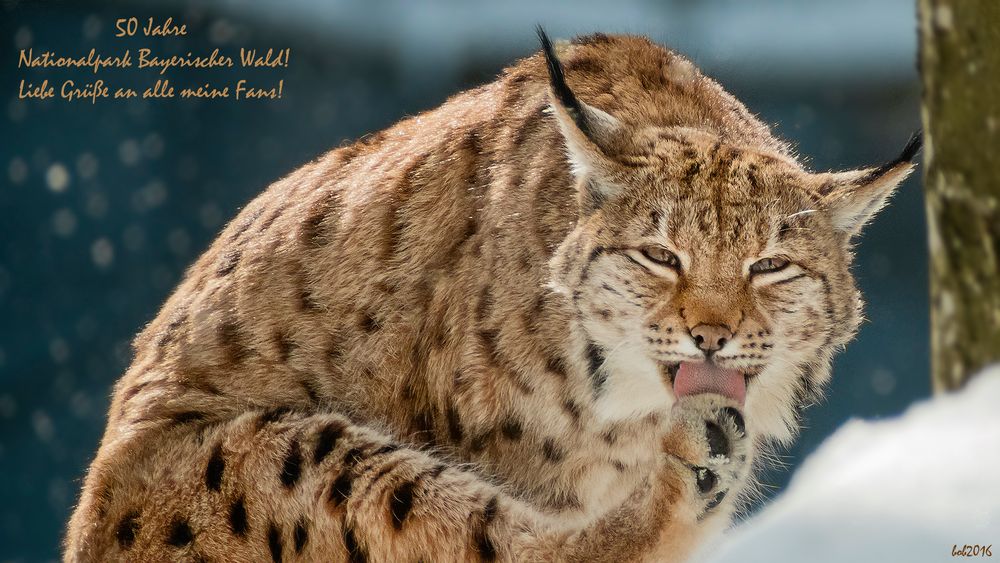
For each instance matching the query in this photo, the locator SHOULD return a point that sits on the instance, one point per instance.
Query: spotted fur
(448, 342)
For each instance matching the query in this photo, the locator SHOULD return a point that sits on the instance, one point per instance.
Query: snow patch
(903, 489)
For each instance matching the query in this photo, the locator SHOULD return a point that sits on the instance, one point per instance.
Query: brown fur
(442, 341)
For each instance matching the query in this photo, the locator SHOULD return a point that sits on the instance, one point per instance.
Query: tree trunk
(960, 64)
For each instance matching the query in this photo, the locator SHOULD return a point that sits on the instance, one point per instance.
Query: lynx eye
(661, 256)
(768, 265)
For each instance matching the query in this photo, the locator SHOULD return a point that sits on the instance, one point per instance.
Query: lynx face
(724, 265)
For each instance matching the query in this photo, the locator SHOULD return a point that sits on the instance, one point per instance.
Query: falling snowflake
(883, 381)
(134, 238)
(42, 424)
(151, 195)
(97, 205)
(17, 170)
(102, 253)
(128, 152)
(91, 27)
(23, 37)
(8, 406)
(64, 222)
(59, 350)
(179, 242)
(152, 146)
(57, 177)
(86, 165)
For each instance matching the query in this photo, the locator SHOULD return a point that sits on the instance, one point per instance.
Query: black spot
(478, 442)
(274, 542)
(572, 409)
(384, 449)
(692, 171)
(423, 424)
(454, 424)
(706, 479)
(369, 322)
(186, 417)
(717, 442)
(127, 529)
(490, 510)
(783, 230)
(301, 536)
(306, 300)
(291, 469)
(246, 223)
(610, 436)
(310, 389)
(327, 440)
(511, 429)
(238, 518)
(491, 343)
(737, 419)
(213, 471)
(484, 545)
(180, 533)
(355, 553)
(596, 253)
(557, 366)
(232, 342)
(485, 304)
(312, 228)
(400, 503)
(551, 451)
(228, 262)
(266, 223)
(340, 491)
(284, 344)
(274, 414)
(334, 353)
(716, 501)
(595, 358)
(352, 457)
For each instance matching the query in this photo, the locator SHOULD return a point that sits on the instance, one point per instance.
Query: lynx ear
(852, 198)
(589, 133)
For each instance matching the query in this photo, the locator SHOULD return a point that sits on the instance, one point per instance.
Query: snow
(17, 170)
(903, 489)
(57, 177)
(102, 252)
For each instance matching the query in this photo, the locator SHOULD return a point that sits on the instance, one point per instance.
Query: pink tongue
(696, 378)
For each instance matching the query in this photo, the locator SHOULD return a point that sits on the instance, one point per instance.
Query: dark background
(103, 206)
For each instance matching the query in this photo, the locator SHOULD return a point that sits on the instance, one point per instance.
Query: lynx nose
(711, 338)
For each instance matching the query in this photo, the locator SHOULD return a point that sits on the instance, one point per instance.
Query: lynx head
(716, 259)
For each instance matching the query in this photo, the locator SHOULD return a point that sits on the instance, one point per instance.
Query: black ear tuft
(912, 147)
(909, 151)
(558, 80)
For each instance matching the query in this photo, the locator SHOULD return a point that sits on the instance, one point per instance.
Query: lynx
(555, 319)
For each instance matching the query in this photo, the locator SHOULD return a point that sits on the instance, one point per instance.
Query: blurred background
(103, 206)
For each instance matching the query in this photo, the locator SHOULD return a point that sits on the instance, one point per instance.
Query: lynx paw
(709, 439)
